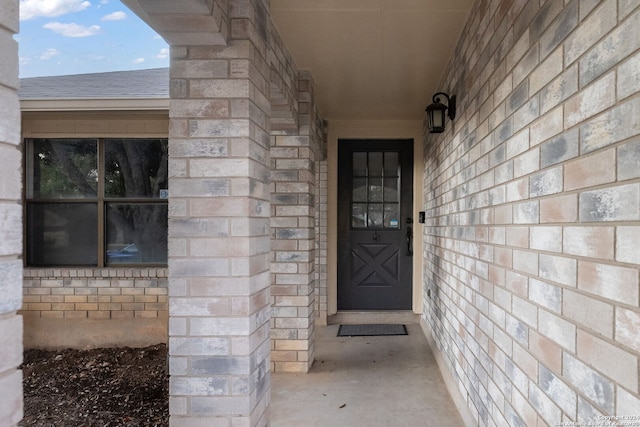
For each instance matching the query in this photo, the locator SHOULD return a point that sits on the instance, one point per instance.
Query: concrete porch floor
(365, 381)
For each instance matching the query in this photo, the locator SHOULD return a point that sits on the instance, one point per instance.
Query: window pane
(375, 189)
(136, 233)
(359, 215)
(391, 164)
(359, 164)
(135, 168)
(375, 216)
(375, 164)
(359, 190)
(62, 234)
(391, 215)
(62, 168)
(391, 190)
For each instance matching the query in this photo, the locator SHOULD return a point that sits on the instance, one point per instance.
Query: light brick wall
(533, 206)
(10, 222)
(295, 237)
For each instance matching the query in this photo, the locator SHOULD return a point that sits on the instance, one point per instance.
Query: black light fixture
(435, 112)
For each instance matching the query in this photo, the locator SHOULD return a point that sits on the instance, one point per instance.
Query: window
(375, 196)
(96, 202)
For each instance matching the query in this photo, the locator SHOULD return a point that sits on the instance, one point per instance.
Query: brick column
(10, 223)
(293, 246)
(219, 230)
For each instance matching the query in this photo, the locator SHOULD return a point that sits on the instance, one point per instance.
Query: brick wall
(99, 294)
(10, 222)
(532, 198)
(294, 236)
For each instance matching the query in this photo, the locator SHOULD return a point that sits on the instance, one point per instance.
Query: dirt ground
(101, 387)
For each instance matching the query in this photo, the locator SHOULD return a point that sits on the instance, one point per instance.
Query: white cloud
(115, 16)
(164, 53)
(138, 61)
(30, 9)
(72, 30)
(49, 53)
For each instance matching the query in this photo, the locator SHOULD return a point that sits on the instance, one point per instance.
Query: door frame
(387, 130)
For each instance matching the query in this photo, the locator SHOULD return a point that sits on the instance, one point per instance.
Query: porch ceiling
(372, 59)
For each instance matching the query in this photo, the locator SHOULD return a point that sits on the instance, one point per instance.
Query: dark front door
(375, 226)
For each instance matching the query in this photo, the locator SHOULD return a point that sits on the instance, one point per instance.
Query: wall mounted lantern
(435, 112)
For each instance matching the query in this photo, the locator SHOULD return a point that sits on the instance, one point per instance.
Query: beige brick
(52, 314)
(627, 327)
(76, 314)
(546, 238)
(525, 261)
(608, 281)
(590, 101)
(627, 241)
(589, 171)
(557, 329)
(67, 306)
(588, 312)
(86, 306)
(617, 364)
(75, 298)
(122, 314)
(547, 351)
(109, 306)
(545, 72)
(99, 315)
(557, 269)
(147, 314)
(133, 306)
(593, 242)
(545, 127)
(560, 209)
(517, 236)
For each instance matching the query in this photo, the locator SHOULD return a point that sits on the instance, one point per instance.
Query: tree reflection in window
(121, 178)
(375, 194)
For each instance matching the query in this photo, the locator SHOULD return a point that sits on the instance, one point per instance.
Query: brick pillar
(10, 223)
(219, 230)
(293, 252)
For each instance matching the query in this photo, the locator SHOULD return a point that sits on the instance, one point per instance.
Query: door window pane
(375, 215)
(375, 189)
(391, 215)
(375, 164)
(135, 168)
(359, 190)
(136, 233)
(391, 190)
(359, 215)
(62, 234)
(359, 164)
(391, 164)
(62, 169)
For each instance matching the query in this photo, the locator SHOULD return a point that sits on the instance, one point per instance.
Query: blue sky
(59, 37)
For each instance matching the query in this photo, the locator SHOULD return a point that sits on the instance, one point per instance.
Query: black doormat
(371, 330)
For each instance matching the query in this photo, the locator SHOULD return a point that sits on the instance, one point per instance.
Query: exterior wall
(94, 307)
(10, 222)
(532, 199)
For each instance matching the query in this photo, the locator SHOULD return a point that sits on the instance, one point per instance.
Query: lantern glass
(435, 117)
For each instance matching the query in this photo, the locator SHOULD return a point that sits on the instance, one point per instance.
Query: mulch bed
(101, 387)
